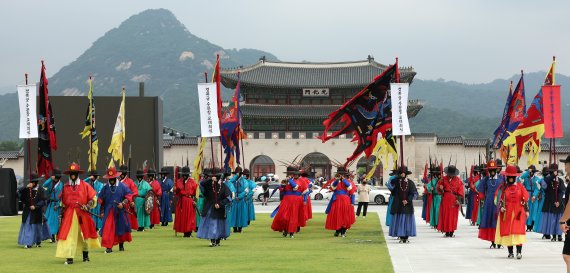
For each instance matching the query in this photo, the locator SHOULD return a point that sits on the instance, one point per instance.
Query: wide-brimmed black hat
(532, 169)
(151, 172)
(292, 170)
(94, 173)
(341, 170)
(56, 173)
(434, 170)
(139, 173)
(164, 170)
(124, 169)
(567, 160)
(238, 169)
(403, 169)
(34, 178)
(451, 170)
(554, 167)
(246, 172)
(184, 171)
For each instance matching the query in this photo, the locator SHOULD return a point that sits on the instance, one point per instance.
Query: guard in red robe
(452, 190)
(340, 212)
(77, 226)
(114, 199)
(290, 214)
(157, 189)
(472, 180)
(307, 206)
(185, 190)
(125, 179)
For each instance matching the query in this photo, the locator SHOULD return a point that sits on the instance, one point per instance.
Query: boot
(559, 238)
(235, 229)
(336, 233)
(151, 226)
(121, 246)
(519, 250)
(52, 238)
(108, 250)
(212, 243)
(284, 233)
(85, 256)
(69, 261)
(493, 245)
(217, 242)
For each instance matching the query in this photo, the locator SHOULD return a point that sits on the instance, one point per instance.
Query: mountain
(154, 47)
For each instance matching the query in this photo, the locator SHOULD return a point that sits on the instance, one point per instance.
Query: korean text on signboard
(316, 92)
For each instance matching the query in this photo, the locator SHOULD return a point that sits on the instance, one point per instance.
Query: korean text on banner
(399, 98)
(28, 117)
(209, 120)
(551, 110)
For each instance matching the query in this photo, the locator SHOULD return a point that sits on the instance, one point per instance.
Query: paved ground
(430, 252)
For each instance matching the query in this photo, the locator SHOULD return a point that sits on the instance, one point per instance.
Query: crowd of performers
(84, 214)
(504, 204)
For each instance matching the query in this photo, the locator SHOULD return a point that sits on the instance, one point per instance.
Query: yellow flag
(198, 160)
(116, 147)
(89, 130)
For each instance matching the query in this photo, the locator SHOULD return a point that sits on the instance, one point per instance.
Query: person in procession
(77, 231)
(249, 198)
(216, 197)
(33, 229)
(166, 185)
(529, 179)
(53, 187)
(436, 197)
(230, 186)
(308, 206)
(487, 186)
(426, 197)
(132, 210)
(114, 199)
(340, 212)
(474, 194)
(452, 191)
(239, 210)
(390, 187)
(93, 181)
(538, 197)
(289, 215)
(404, 192)
(553, 207)
(157, 190)
(142, 187)
(185, 191)
(512, 200)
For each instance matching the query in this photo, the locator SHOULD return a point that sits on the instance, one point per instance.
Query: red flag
(46, 131)
(552, 113)
(218, 79)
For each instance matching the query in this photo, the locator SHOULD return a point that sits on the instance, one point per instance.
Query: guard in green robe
(142, 186)
(436, 201)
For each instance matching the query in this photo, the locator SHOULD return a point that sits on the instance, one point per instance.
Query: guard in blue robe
(538, 196)
(469, 200)
(34, 228)
(116, 228)
(165, 200)
(239, 211)
(53, 188)
(390, 200)
(528, 180)
(553, 207)
(249, 199)
(488, 186)
(229, 214)
(97, 185)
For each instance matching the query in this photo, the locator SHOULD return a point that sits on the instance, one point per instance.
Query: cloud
(123, 66)
(186, 55)
(141, 78)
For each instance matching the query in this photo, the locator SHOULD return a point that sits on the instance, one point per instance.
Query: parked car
(379, 195)
(258, 192)
(320, 194)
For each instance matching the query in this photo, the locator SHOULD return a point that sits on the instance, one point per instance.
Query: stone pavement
(430, 252)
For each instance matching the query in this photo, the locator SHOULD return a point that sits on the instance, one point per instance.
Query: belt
(292, 193)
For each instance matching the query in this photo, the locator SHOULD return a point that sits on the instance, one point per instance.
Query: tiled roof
(11, 154)
(450, 140)
(309, 75)
(560, 149)
(305, 111)
(475, 142)
(167, 143)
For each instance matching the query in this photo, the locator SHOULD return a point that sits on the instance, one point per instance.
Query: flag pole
(401, 136)
(91, 127)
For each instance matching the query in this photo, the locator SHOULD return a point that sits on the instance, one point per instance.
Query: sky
(465, 41)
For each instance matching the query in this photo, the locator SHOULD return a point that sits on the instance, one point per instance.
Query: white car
(379, 195)
(258, 192)
(320, 194)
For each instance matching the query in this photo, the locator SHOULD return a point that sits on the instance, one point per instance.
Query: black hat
(292, 170)
(545, 171)
(567, 160)
(184, 171)
(532, 169)
(139, 173)
(246, 171)
(94, 173)
(151, 172)
(238, 169)
(124, 169)
(403, 169)
(451, 170)
(554, 167)
(341, 170)
(56, 173)
(34, 178)
(164, 170)
(434, 170)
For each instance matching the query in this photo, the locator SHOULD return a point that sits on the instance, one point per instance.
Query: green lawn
(257, 249)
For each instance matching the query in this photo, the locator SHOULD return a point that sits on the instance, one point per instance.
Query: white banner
(208, 100)
(316, 92)
(399, 97)
(28, 117)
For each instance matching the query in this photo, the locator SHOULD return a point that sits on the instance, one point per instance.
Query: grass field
(257, 249)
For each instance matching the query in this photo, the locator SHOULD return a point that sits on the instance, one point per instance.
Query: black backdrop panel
(8, 199)
(143, 126)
